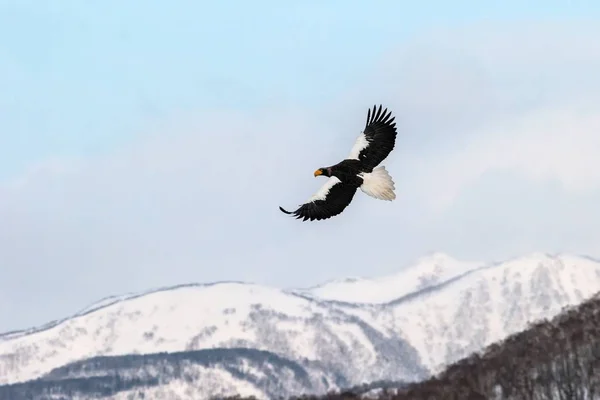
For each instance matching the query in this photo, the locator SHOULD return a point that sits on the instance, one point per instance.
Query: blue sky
(79, 78)
(146, 144)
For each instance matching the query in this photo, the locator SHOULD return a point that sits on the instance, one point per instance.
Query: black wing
(331, 199)
(377, 140)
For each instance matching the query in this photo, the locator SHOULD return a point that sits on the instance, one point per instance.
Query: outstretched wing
(331, 199)
(377, 140)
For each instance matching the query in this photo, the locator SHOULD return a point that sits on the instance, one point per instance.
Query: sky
(147, 144)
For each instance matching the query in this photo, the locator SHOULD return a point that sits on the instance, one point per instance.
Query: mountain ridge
(405, 339)
(104, 302)
(303, 291)
(425, 271)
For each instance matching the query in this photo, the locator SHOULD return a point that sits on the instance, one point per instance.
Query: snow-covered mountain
(430, 270)
(464, 314)
(225, 315)
(340, 334)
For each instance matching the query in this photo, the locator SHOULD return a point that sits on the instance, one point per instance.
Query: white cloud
(197, 200)
(521, 97)
(542, 145)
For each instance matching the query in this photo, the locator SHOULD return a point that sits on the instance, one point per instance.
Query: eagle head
(323, 171)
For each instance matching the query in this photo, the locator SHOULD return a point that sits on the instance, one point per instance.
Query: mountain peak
(436, 256)
(440, 266)
(445, 310)
(431, 269)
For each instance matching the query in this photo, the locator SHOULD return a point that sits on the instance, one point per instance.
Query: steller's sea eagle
(359, 170)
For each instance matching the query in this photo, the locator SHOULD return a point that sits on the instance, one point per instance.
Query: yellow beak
(318, 172)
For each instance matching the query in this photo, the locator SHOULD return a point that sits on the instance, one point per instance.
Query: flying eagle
(359, 170)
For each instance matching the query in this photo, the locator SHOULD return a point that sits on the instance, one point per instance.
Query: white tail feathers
(378, 184)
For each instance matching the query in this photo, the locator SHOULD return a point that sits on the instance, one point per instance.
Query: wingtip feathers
(285, 211)
(376, 115)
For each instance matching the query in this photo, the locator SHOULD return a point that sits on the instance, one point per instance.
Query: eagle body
(359, 170)
(346, 171)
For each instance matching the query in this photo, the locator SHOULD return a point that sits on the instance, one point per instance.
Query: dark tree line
(104, 376)
(94, 387)
(557, 359)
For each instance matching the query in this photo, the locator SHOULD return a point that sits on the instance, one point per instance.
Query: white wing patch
(360, 144)
(324, 190)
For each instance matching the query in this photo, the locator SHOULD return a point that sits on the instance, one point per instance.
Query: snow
(107, 301)
(183, 318)
(441, 308)
(493, 302)
(429, 270)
